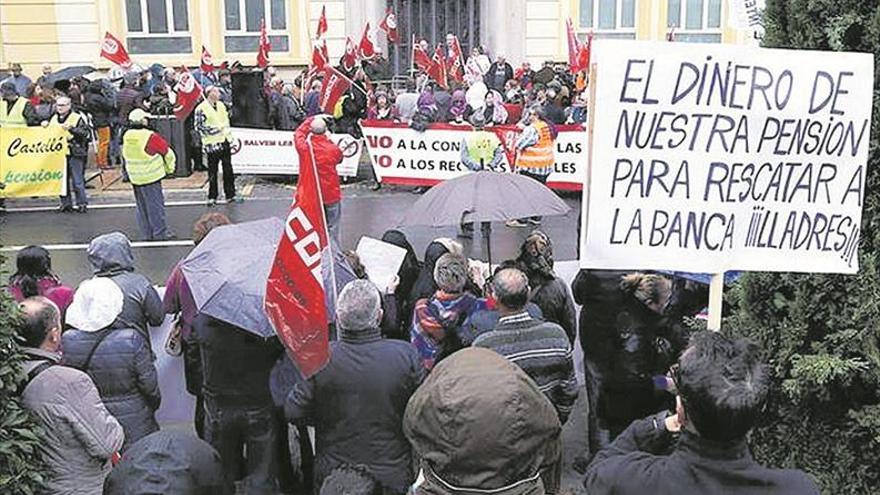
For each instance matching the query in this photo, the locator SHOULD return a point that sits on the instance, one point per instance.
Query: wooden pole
(716, 293)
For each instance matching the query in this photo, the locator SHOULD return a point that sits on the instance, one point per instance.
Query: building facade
(172, 32)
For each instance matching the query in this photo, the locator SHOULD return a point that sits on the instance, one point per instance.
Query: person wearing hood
(458, 107)
(382, 108)
(438, 319)
(356, 402)
(406, 275)
(548, 291)
(110, 256)
(119, 361)
(168, 462)
(101, 108)
(34, 277)
(78, 137)
(443, 100)
(148, 159)
(80, 435)
(479, 424)
(426, 112)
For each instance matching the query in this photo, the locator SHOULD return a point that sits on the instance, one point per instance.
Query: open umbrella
(227, 273)
(484, 197)
(69, 73)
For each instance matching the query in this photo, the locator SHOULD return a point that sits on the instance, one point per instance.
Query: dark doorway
(432, 20)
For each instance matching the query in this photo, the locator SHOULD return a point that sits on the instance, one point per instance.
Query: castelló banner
(33, 161)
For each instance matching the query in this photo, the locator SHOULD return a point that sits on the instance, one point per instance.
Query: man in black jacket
(356, 403)
(722, 387)
(101, 108)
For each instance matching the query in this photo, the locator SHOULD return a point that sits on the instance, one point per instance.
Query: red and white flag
(366, 48)
(319, 61)
(189, 93)
(389, 25)
(113, 50)
(583, 58)
(421, 58)
(207, 64)
(335, 85)
(349, 58)
(438, 67)
(573, 46)
(454, 64)
(295, 300)
(322, 23)
(265, 46)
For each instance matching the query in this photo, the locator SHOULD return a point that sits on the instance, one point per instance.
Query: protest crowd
(452, 379)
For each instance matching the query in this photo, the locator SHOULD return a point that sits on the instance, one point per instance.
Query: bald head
(511, 288)
(41, 323)
(319, 126)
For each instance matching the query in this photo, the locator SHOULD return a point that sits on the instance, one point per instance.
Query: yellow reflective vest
(13, 116)
(481, 147)
(143, 168)
(217, 118)
(539, 155)
(72, 119)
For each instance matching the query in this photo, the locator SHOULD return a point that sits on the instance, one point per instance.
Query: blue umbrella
(227, 273)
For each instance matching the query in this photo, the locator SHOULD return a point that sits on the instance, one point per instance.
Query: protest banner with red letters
(404, 156)
(270, 152)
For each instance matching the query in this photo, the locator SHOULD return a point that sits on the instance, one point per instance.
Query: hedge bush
(821, 333)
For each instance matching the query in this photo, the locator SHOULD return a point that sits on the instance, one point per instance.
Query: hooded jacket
(480, 424)
(110, 256)
(81, 435)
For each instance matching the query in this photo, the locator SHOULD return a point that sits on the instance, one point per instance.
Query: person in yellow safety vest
(212, 123)
(480, 150)
(15, 111)
(148, 159)
(534, 155)
(78, 136)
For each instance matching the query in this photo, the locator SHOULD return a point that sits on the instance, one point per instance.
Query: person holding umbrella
(148, 159)
(534, 155)
(480, 150)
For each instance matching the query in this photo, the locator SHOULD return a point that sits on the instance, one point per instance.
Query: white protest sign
(381, 260)
(266, 151)
(401, 155)
(709, 158)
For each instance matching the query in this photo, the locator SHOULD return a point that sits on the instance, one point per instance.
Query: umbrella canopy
(484, 197)
(227, 273)
(69, 73)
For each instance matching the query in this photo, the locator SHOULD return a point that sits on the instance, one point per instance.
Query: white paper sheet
(381, 260)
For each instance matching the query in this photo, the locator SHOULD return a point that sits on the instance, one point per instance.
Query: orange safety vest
(540, 154)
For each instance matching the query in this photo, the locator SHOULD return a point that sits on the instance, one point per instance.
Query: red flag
(113, 50)
(422, 59)
(438, 68)
(583, 58)
(189, 93)
(349, 59)
(454, 64)
(322, 23)
(207, 64)
(389, 25)
(335, 85)
(295, 300)
(366, 49)
(265, 46)
(573, 46)
(508, 134)
(319, 61)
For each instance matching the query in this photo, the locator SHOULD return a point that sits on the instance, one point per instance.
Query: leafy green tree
(20, 461)
(821, 333)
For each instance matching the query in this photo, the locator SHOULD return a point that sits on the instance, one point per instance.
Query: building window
(608, 18)
(158, 26)
(243, 24)
(699, 20)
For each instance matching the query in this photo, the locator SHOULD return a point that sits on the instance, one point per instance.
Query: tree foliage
(20, 434)
(821, 333)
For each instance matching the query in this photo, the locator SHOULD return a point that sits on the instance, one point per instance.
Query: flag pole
(324, 221)
(412, 56)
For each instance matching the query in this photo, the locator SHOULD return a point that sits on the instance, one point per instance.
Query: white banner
(266, 151)
(710, 158)
(401, 155)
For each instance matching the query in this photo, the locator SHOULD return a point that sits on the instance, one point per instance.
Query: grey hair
(62, 100)
(451, 272)
(358, 306)
(511, 288)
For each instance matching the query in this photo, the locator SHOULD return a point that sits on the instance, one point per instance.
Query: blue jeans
(151, 211)
(76, 182)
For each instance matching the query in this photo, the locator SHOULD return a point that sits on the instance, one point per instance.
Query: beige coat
(81, 435)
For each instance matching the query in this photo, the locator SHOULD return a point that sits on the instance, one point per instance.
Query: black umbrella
(484, 197)
(69, 73)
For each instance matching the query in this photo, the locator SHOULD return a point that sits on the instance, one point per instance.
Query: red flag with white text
(335, 85)
(583, 57)
(422, 59)
(366, 48)
(454, 64)
(389, 25)
(438, 67)
(113, 50)
(322, 23)
(207, 63)
(573, 46)
(265, 46)
(189, 94)
(295, 300)
(319, 61)
(349, 58)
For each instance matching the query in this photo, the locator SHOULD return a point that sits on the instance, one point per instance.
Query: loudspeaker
(249, 105)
